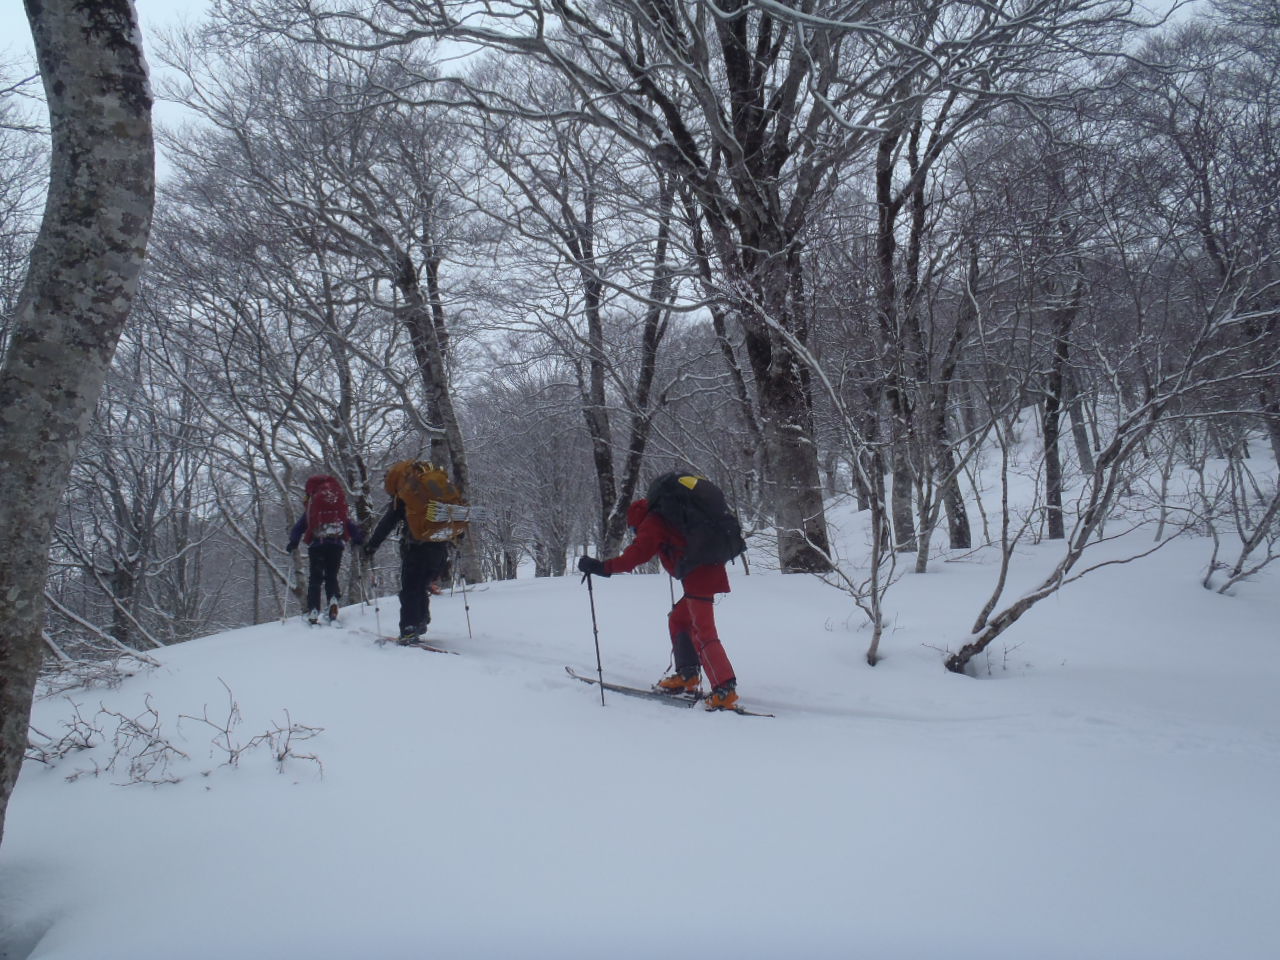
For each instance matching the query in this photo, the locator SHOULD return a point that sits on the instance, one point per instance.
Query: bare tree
(533, 458)
(78, 292)
(23, 163)
(589, 227)
(1212, 132)
(1220, 348)
(343, 161)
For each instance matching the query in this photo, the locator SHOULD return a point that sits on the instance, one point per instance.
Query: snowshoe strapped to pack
(326, 508)
(696, 508)
(422, 487)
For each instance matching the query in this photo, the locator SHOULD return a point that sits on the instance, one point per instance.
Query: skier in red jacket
(692, 620)
(325, 525)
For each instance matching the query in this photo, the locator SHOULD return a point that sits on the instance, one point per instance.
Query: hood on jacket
(636, 512)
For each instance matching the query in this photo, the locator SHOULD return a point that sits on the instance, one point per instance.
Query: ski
(674, 699)
(416, 644)
(425, 646)
(742, 711)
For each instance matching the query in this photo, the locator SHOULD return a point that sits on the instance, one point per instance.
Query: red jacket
(655, 536)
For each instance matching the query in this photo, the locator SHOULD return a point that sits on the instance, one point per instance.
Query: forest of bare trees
(817, 251)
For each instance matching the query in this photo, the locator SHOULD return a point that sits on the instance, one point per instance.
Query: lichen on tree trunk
(80, 285)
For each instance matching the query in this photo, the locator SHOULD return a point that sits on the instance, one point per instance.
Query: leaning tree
(78, 292)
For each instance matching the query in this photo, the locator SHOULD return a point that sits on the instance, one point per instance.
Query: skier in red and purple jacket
(325, 526)
(694, 640)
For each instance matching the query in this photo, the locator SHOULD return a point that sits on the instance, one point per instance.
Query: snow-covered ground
(1105, 788)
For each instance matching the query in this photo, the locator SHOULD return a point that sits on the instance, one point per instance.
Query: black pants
(685, 654)
(420, 563)
(325, 558)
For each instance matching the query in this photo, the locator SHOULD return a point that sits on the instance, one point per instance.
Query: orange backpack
(427, 494)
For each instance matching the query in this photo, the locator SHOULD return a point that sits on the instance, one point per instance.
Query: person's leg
(435, 558)
(315, 575)
(440, 570)
(686, 677)
(332, 587)
(707, 642)
(413, 590)
(683, 653)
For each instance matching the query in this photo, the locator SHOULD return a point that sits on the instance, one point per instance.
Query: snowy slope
(1106, 790)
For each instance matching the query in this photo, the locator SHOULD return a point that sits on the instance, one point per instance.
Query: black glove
(292, 546)
(592, 566)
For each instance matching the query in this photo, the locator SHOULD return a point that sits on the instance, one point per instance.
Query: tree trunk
(79, 289)
(960, 535)
(1271, 419)
(469, 547)
(887, 314)
(793, 479)
(424, 318)
(867, 462)
(642, 403)
(1052, 460)
(594, 408)
(541, 560)
(1079, 428)
(437, 338)
(1055, 396)
(901, 490)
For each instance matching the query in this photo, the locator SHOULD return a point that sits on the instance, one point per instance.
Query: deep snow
(1105, 788)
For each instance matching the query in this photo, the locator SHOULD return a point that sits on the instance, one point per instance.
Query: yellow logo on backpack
(424, 488)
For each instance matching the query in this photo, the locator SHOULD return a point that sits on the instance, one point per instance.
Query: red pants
(694, 640)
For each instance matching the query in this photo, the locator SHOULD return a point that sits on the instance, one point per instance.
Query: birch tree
(78, 292)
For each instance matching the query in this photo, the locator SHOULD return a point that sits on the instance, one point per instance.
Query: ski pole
(373, 588)
(290, 595)
(595, 630)
(466, 599)
(295, 590)
(362, 568)
(466, 606)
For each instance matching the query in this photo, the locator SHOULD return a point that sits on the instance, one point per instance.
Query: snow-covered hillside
(1104, 789)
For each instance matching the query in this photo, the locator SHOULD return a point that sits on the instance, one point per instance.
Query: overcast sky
(15, 33)
(18, 58)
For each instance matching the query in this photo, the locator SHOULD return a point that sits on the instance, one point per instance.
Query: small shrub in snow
(81, 734)
(61, 676)
(142, 753)
(279, 739)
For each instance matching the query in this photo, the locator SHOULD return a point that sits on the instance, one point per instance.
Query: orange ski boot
(723, 698)
(679, 683)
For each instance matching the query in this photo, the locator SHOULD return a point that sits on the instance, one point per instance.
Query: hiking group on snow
(683, 520)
